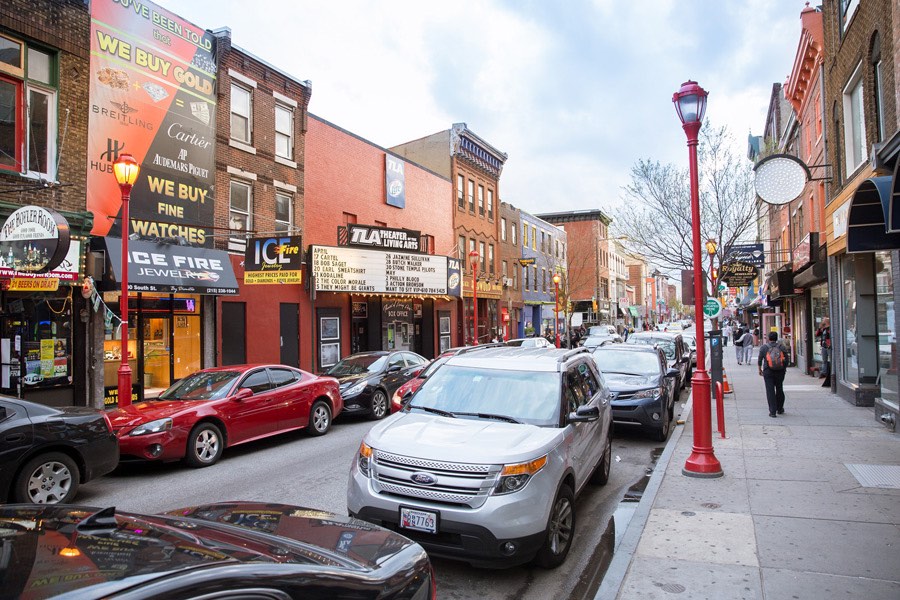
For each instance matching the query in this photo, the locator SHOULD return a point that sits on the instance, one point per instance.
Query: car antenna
(102, 520)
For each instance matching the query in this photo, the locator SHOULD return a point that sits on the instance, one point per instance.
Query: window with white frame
(514, 231)
(877, 89)
(28, 119)
(490, 205)
(284, 213)
(846, 11)
(284, 131)
(460, 192)
(481, 257)
(481, 200)
(240, 209)
(471, 196)
(241, 113)
(462, 247)
(491, 259)
(854, 122)
(503, 229)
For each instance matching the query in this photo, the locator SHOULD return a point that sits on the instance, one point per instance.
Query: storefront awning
(874, 221)
(634, 311)
(167, 268)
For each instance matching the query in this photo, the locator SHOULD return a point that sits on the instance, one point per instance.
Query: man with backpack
(772, 362)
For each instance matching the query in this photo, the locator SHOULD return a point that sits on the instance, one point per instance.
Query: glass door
(156, 344)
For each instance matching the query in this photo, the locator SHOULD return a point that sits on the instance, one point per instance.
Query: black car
(643, 384)
(678, 353)
(369, 379)
(47, 452)
(228, 550)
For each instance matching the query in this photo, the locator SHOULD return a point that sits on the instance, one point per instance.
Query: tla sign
(384, 238)
(34, 240)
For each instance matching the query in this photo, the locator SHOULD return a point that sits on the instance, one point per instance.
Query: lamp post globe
(690, 105)
(126, 169)
(473, 261)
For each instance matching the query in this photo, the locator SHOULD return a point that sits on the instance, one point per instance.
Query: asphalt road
(312, 472)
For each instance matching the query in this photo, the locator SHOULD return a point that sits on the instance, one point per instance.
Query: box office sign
(272, 260)
(384, 238)
(33, 239)
(354, 270)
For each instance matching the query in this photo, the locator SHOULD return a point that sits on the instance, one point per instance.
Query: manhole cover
(688, 513)
(711, 505)
(672, 588)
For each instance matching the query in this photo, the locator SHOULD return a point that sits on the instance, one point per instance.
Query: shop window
(850, 355)
(284, 213)
(35, 344)
(241, 114)
(284, 131)
(854, 123)
(886, 322)
(460, 192)
(239, 214)
(28, 118)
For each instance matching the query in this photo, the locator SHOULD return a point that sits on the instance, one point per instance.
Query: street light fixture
(690, 104)
(473, 261)
(556, 310)
(126, 170)
(711, 248)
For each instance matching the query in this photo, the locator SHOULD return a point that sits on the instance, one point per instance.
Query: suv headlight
(514, 477)
(152, 427)
(651, 393)
(364, 458)
(354, 389)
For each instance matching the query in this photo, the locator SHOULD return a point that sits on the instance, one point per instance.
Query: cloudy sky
(574, 91)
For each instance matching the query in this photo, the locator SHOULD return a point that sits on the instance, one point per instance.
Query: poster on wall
(273, 260)
(152, 95)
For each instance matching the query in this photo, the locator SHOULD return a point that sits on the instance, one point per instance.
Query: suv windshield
(210, 385)
(470, 392)
(628, 363)
(357, 365)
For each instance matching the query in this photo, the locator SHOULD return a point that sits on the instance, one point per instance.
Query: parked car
(643, 384)
(606, 330)
(203, 413)
(690, 338)
(595, 341)
(485, 462)
(677, 352)
(532, 342)
(228, 550)
(48, 452)
(369, 379)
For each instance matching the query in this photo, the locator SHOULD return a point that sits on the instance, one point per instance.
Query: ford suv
(485, 460)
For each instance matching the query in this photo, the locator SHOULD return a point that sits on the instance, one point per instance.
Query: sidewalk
(789, 519)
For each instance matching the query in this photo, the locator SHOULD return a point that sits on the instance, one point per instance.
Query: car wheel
(560, 530)
(601, 472)
(661, 433)
(204, 446)
(380, 405)
(50, 478)
(319, 419)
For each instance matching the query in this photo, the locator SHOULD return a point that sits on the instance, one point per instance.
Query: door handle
(15, 437)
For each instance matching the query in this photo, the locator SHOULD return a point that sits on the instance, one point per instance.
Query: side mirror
(585, 414)
(672, 373)
(242, 394)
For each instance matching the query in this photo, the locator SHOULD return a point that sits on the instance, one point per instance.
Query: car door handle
(15, 437)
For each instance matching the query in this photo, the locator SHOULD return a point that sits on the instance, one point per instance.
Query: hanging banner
(394, 181)
(273, 260)
(152, 95)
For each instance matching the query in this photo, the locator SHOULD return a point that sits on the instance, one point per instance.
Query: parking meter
(715, 358)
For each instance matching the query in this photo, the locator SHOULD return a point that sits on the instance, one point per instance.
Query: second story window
(284, 213)
(482, 258)
(491, 259)
(462, 249)
(284, 131)
(533, 237)
(503, 229)
(240, 213)
(241, 114)
(460, 192)
(481, 200)
(490, 205)
(515, 273)
(514, 230)
(525, 235)
(471, 196)
(854, 123)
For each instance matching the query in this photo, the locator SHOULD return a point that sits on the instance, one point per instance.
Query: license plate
(418, 520)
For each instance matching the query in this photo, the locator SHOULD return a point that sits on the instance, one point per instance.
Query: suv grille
(461, 484)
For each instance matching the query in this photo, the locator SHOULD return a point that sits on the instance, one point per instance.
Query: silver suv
(485, 460)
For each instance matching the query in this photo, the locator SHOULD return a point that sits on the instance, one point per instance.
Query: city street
(312, 472)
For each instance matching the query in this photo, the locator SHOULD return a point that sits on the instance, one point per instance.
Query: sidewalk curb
(624, 552)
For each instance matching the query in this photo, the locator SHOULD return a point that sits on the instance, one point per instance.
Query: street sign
(712, 308)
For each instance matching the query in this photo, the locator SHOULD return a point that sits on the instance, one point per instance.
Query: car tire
(204, 446)
(50, 478)
(560, 530)
(600, 476)
(661, 433)
(380, 405)
(319, 419)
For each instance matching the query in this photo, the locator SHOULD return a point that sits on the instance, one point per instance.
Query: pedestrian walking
(772, 363)
(823, 334)
(739, 345)
(748, 340)
(726, 333)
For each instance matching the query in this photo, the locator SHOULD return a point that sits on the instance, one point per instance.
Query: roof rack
(468, 349)
(570, 353)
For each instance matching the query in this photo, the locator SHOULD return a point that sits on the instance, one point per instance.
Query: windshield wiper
(506, 418)
(621, 372)
(436, 411)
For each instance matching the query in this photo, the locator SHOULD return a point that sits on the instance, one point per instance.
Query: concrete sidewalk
(789, 519)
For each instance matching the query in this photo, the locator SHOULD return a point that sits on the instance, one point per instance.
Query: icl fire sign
(273, 260)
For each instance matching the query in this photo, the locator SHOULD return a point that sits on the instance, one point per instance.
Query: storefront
(171, 313)
(384, 297)
(811, 305)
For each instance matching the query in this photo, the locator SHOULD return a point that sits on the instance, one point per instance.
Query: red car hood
(124, 419)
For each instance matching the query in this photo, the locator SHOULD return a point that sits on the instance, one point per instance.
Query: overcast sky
(574, 91)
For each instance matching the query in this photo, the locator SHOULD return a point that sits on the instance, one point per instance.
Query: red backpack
(775, 358)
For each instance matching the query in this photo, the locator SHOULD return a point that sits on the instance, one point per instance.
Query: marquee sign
(737, 273)
(33, 240)
(354, 270)
(384, 238)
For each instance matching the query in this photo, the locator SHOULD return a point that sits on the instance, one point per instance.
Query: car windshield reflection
(210, 385)
(357, 365)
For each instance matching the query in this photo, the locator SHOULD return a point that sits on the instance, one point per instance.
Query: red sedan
(199, 416)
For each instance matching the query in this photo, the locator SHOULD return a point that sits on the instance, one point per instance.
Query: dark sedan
(228, 550)
(643, 384)
(678, 353)
(48, 452)
(369, 379)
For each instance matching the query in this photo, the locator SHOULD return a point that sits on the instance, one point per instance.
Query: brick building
(511, 318)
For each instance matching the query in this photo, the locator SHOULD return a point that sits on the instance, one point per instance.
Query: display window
(819, 301)
(850, 354)
(887, 333)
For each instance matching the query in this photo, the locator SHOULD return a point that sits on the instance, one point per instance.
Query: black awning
(817, 272)
(167, 268)
(873, 209)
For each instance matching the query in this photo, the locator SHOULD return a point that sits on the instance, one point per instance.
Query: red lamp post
(126, 169)
(556, 310)
(690, 104)
(473, 260)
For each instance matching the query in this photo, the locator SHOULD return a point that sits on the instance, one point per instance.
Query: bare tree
(656, 216)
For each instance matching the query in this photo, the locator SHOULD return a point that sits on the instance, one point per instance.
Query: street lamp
(556, 310)
(473, 260)
(711, 248)
(690, 104)
(126, 169)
